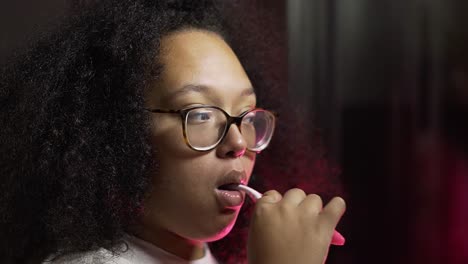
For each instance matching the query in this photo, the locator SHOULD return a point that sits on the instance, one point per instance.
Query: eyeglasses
(204, 127)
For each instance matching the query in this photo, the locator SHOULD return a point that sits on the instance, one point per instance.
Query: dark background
(387, 83)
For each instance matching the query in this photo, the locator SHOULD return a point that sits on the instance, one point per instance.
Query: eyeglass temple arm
(163, 111)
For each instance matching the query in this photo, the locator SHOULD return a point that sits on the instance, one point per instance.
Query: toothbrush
(337, 238)
(253, 194)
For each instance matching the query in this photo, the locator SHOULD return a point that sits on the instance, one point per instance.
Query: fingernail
(338, 239)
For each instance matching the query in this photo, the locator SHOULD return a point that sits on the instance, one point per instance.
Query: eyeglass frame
(229, 121)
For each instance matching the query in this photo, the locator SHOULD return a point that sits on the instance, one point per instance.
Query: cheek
(183, 188)
(168, 138)
(248, 161)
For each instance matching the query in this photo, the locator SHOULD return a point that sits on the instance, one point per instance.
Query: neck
(172, 243)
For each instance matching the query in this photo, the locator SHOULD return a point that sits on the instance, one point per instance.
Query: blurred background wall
(387, 84)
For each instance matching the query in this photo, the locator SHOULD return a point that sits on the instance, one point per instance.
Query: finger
(294, 197)
(312, 204)
(332, 213)
(337, 239)
(271, 196)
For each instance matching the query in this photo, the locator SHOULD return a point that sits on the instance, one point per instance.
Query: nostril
(236, 154)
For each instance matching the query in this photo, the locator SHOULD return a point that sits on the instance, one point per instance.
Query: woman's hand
(295, 228)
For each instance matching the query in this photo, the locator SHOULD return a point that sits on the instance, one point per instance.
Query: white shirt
(139, 252)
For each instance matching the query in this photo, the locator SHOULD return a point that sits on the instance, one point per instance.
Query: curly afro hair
(74, 153)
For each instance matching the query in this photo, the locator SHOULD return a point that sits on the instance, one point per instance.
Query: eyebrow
(203, 89)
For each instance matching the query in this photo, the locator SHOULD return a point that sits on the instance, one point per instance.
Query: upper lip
(233, 177)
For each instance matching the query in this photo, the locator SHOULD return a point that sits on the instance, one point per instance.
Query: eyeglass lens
(206, 126)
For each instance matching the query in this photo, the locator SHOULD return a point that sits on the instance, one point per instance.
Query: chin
(224, 230)
(221, 234)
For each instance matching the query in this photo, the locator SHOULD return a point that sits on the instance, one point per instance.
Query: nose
(233, 144)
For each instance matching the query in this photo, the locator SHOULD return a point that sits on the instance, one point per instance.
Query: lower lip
(229, 199)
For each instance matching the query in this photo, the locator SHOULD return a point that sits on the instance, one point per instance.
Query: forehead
(195, 46)
(199, 58)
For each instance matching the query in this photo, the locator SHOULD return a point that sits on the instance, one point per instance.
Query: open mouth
(227, 194)
(228, 187)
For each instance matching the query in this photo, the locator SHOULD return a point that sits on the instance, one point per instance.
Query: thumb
(271, 196)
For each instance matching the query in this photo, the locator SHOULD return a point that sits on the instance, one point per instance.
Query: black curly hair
(75, 158)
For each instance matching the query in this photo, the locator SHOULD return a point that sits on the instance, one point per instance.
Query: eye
(200, 116)
(249, 118)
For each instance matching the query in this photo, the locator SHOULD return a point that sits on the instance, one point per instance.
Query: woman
(120, 145)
